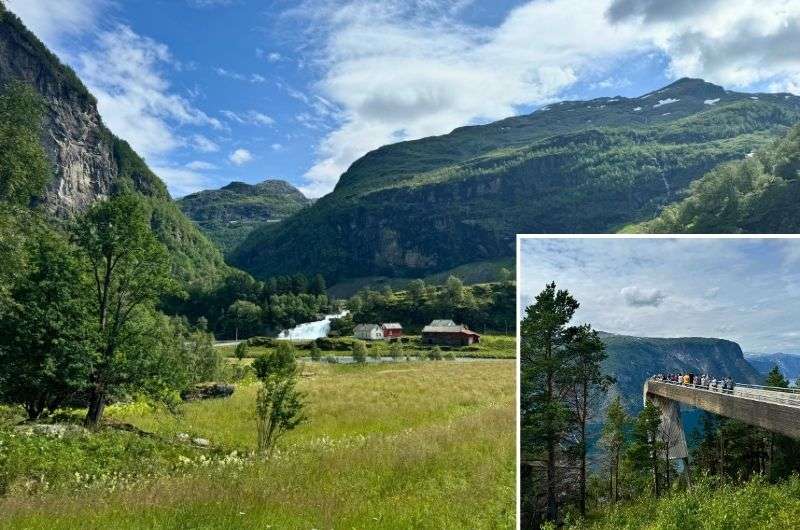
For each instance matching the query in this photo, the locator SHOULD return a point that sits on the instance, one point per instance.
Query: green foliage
(435, 354)
(130, 269)
(343, 326)
(482, 307)
(375, 353)
(254, 307)
(359, 352)
(315, 353)
(45, 337)
(229, 214)
(396, 350)
(24, 167)
(241, 350)
(646, 445)
(755, 195)
(279, 406)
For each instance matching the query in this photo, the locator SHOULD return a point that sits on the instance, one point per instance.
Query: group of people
(724, 384)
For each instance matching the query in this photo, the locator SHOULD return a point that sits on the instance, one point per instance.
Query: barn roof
(442, 323)
(391, 325)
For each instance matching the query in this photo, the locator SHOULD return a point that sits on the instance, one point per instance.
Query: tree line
(482, 307)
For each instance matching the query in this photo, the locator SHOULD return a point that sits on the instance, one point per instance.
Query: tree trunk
(584, 414)
(97, 405)
(552, 506)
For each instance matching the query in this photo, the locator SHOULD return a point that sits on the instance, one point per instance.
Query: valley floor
(390, 445)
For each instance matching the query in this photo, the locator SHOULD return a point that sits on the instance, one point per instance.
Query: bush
(395, 350)
(267, 342)
(331, 359)
(450, 356)
(422, 355)
(375, 353)
(280, 362)
(315, 354)
(435, 353)
(327, 344)
(241, 350)
(359, 352)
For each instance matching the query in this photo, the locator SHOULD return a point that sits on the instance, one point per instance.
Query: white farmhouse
(368, 332)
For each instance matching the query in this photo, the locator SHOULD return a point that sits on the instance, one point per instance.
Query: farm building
(368, 332)
(392, 330)
(448, 333)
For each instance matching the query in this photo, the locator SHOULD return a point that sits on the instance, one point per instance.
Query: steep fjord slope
(759, 194)
(229, 214)
(417, 207)
(633, 359)
(89, 162)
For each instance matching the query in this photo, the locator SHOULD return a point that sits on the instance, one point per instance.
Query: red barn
(392, 330)
(448, 333)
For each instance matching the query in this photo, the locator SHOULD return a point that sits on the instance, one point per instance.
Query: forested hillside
(87, 162)
(757, 195)
(229, 214)
(417, 207)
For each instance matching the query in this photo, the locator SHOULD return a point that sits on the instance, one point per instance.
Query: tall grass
(411, 445)
(754, 505)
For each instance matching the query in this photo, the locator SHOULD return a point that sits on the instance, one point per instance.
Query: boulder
(207, 391)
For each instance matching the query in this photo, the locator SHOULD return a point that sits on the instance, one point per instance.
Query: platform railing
(780, 395)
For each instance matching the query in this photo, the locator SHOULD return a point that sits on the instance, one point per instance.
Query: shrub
(331, 359)
(395, 350)
(267, 342)
(422, 355)
(316, 354)
(280, 361)
(435, 354)
(359, 352)
(450, 356)
(375, 353)
(241, 350)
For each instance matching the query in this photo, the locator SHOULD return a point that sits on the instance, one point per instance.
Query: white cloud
(204, 144)
(183, 180)
(251, 117)
(199, 165)
(240, 156)
(638, 297)
(250, 78)
(133, 94)
(277, 147)
(51, 21)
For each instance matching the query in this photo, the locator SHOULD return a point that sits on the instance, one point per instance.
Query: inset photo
(659, 380)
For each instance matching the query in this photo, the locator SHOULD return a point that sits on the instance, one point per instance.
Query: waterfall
(311, 330)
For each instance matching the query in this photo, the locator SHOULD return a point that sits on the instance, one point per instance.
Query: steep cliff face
(631, 360)
(788, 364)
(89, 163)
(81, 149)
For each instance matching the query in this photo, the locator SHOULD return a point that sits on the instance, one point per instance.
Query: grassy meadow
(389, 445)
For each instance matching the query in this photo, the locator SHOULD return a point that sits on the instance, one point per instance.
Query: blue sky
(745, 290)
(210, 91)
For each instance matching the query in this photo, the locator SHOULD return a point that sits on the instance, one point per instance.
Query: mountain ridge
(422, 206)
(228, 214)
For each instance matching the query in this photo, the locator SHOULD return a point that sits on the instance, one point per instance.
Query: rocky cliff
(89, 163)
(631, 360)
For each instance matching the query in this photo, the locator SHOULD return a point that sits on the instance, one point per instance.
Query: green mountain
(759, 194)
(229, 214)
(631, 360)
(419, 207)
(89, 163)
